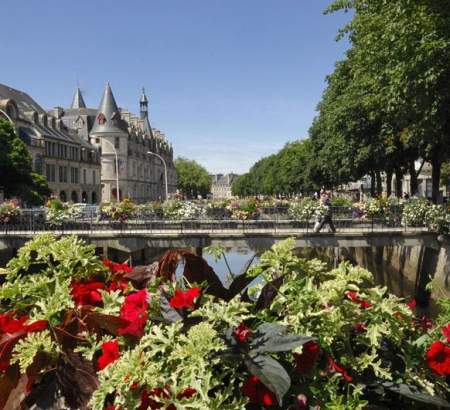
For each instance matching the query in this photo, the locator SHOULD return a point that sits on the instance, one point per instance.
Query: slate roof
(78, 101)
(108, 109)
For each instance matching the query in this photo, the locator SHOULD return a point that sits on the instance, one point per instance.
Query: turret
(78, 101)
(108, 119)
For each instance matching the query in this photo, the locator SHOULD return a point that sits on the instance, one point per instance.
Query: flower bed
(57, 212)
(119, 212)
(244, 209)
(181, 210)
(9, 212)
(115, 337)
(305, 209)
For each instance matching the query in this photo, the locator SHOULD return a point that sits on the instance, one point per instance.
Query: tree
(16, 170)
(193, 179)
(403, 49)
(285, 172)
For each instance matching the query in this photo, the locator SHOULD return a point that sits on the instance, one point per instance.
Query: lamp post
(165, 171)
(7, 116)
(117, 168)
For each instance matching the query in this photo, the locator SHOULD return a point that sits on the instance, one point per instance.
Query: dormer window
(101, 119)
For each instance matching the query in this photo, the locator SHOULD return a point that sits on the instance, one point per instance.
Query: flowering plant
(120, 211)
(305, 209)
(56, 212)
(179, 210)
(9, 211)
(145, 340)
(244, 209)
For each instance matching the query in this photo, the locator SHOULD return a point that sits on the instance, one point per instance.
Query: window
(61, 174)
(94, 177)
(117, 142)
(84, 176)
(74, 179)
(65, 174)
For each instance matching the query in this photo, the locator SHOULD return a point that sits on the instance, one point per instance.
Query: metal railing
(275, 220)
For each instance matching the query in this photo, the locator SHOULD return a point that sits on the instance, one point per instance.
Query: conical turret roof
(78, 101)
(108, 118)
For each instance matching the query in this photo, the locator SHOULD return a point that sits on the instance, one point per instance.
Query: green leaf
(271, 337)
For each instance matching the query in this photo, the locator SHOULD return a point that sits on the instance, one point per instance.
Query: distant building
(74, 147)
(70, 163)
(221, 185)
(141, 175)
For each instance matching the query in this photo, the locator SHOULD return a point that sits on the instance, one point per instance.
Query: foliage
(179, 210)
(57, 212)
(325, 338)
(16, 170)
(192, 178)
(9, 211)
(121, 211)
(244, 209)
(282, 173)
(306, 208)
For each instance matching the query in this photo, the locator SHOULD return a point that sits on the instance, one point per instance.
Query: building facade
(140, 172)
(70, 164)
(221, 185)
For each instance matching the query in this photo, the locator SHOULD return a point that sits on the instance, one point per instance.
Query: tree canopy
(18, 180)
(386, 104)
(282, 173)
(192, 178)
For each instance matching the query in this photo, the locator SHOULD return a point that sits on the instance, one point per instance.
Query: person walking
(327, 217)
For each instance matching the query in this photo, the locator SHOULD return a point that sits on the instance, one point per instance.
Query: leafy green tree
(401, 51)
(193, 179)
(16, 170)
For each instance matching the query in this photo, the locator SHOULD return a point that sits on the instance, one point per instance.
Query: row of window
(58, 150)
(63, 174)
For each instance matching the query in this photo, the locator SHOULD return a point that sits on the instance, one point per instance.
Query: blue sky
(229, 81)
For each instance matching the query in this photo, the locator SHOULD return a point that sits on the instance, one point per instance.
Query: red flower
(134, 311)
(412, 304)
(425, 323)
(438, 358)
(304, 361)
(117, 267)
(184, 299)
(353, 296)
(87, 293)
(257, 392)
(120, 284)
(187, 393)
(359, 327)
(10, 325)
(446, 332)
(338, 368)
(110, 353)
(242, 333)
(146, 398)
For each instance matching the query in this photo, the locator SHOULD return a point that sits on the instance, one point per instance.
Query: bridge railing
(275, 219)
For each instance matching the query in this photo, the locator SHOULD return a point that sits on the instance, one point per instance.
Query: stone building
(113, 130)
(70, 163)
(221, 185)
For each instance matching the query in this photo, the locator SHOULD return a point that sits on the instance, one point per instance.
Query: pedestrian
(327, 217)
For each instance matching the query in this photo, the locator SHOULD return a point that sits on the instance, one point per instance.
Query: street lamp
(165, 171)
(117, 168)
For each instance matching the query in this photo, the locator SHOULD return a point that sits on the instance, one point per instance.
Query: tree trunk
(413, 181)
(379, 183)
(388, 183)
(436, 178)
(398, 183)
(372, 184)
